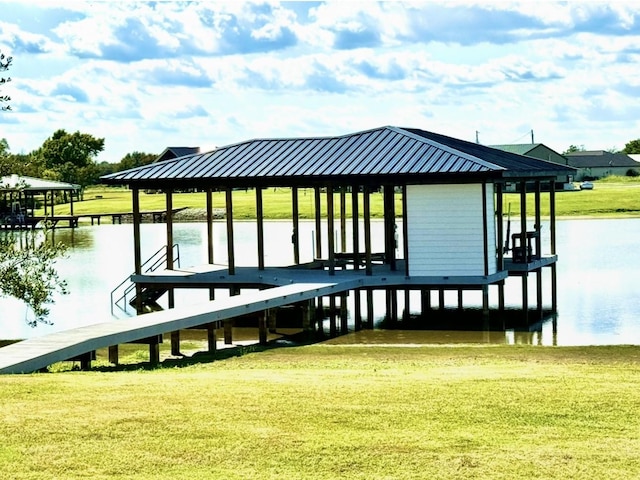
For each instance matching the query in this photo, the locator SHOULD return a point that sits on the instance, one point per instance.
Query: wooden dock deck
(271, 287)
(38, 353)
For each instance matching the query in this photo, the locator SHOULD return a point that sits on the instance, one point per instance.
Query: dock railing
(153, 263)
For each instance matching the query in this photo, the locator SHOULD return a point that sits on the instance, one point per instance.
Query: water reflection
(597, 298)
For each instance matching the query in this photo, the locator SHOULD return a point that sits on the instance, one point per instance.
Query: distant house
(540, 151)
(600, 163)
(176, 152)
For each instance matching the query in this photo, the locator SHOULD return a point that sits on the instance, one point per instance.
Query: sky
(150, 75)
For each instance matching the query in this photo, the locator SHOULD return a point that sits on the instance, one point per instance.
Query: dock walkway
(277, 287)
(38, 353)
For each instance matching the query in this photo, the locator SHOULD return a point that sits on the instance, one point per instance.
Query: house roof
(175, 152)
(32, 184)
(376, 155)
(519, 148)
(599, 159)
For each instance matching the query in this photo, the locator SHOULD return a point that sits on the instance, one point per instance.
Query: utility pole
(477, 140)
(532, 136)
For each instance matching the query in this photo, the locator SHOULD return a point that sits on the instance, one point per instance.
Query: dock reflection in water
(597, 282)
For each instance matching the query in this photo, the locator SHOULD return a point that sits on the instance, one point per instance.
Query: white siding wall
(445, 229)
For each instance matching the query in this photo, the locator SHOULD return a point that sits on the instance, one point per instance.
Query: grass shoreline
(616, 197)
(326, 411)
(319, 412)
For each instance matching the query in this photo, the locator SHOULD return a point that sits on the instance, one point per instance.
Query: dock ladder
(153, 263)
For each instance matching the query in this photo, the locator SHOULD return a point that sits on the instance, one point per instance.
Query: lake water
(598, 302)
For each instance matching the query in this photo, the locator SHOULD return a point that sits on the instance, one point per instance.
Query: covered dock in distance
(445, 194)
(21, 195)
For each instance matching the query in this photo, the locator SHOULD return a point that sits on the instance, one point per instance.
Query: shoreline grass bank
(327, 412)
(612, 197)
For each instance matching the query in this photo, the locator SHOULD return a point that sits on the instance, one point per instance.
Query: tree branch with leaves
(27, 271)
(27, 259)
(5, 62)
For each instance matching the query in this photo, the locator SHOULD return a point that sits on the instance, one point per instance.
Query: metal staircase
(125, 293)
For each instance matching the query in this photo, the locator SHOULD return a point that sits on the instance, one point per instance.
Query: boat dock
(79, 343)
(258, 292)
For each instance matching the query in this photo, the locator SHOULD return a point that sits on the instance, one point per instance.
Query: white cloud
(144, 75)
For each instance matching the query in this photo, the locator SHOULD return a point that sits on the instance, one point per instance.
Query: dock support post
(539, 291)
(394, 304)
(295, 237)
(554, 289)
(262, 327)
(391, 302)
(369, 308)
(230, 241)
(306, 316)
(320, 316)
(175, 343)
(318, 213)
(113, 354)
(137, 255)
(441, 299)
(85, 360)
(357, 310)
(485, 303)
(344, 325)
(356, 227)
(407, 305)
(228, 331)
(343, 219)
(330, 231)
(260, 226)
(332, 316)
(501, 296)
(154, 352)
(425, 300)
(525, 298)
(367, 230)
(460, 299)
(212, 341)
(272, 319)
(175, 336)
(210, 226)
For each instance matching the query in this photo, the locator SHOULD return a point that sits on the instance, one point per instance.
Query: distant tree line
(630, 148)
(67, 157)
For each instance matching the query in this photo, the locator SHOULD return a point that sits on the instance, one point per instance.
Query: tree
(27, 272)
(5, 62)
(632, 147)
(27, 266)
(5, 158)
(65, 155)
(135, 159)
(574, 148)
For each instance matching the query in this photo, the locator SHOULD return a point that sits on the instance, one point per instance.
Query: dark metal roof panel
(386, 151)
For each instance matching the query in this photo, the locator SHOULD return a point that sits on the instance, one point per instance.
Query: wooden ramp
(38, 353)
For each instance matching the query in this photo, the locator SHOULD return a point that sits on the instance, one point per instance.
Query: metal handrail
(156, 260)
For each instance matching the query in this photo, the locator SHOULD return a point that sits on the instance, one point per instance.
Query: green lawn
(328, 412)
(619, 196)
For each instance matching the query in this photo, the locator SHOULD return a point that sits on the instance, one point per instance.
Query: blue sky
(147, 75)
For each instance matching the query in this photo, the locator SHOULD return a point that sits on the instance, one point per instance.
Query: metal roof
(380, 154)
(519, 148)
(32, 184)
(175, 152)
(600, 159)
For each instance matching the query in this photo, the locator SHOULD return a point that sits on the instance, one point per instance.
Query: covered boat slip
(20, 196)
(451, 195)
(453, 237)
